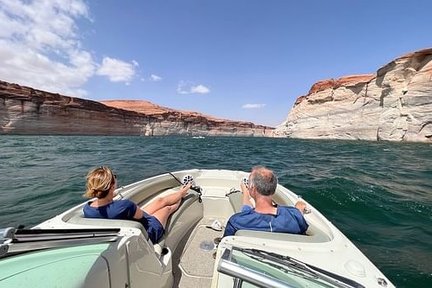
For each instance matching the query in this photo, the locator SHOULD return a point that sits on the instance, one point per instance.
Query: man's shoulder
(245, 210)
(288, 209)
(284, 207)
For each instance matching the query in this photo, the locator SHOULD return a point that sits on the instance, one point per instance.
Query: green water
(378, 194)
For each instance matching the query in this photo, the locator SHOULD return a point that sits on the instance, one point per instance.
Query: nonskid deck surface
(194, 267)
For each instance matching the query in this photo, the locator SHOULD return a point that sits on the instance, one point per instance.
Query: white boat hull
(160, 265)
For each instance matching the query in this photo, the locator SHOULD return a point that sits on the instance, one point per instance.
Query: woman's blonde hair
(99, 182)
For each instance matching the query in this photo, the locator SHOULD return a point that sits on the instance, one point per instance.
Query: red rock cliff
(24, 110)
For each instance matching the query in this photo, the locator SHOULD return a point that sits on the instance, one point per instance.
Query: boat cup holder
(164, 251)
(207, 245)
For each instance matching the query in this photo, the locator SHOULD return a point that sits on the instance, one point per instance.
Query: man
(265, 216)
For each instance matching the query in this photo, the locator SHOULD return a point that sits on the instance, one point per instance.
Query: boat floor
(194, 264)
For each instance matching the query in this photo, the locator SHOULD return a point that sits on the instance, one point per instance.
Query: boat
(69, 250)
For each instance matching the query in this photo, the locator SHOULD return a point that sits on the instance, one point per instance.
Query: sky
(244, 60)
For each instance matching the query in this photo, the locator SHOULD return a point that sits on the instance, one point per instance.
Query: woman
(101, 183)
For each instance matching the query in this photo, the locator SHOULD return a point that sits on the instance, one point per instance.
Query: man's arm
(246, 195)
(229, 229)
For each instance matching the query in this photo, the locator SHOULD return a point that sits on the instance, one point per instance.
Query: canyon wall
(394, 104)
(24, 110)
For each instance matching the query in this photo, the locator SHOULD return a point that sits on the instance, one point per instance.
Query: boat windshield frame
(232, 263)
(16, 241)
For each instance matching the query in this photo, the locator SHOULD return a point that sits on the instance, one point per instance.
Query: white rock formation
(394, 104)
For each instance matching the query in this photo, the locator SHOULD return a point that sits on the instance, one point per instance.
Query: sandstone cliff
(24, 110)
(394, 104)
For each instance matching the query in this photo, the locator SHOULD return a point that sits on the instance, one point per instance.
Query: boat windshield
(258, 268)
(15, 241)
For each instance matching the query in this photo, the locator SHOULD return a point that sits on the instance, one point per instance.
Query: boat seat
(186, 202)
(313, 235)
(183, 220)
(236, 201)
(108, 223)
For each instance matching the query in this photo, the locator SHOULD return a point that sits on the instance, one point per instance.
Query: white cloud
(253, 106)
(40, 47)
(200, 89)
(189, 88)
(155, 78)
(117, 70)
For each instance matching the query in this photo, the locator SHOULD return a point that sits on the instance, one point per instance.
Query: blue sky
(234, 59)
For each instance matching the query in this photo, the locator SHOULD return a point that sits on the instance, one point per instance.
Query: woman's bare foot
(185, 189)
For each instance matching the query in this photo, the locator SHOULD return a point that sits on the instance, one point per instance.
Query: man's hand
(300, 205)
(246, 195)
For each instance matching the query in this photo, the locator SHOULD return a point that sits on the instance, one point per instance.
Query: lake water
(378, 194)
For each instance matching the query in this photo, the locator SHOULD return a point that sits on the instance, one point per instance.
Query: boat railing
(242, 274)
(13, 241)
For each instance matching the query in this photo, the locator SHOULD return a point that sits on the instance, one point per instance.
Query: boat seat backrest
(143, 193)
(313, 235)
(236, 200)
(108, 223)
(183, 220)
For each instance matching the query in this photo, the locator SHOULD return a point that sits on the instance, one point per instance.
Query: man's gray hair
(263, 180)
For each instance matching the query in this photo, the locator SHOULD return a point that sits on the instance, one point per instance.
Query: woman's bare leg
(168, 200)
(163, 214)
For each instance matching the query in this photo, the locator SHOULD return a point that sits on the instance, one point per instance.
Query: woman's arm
(138, 213)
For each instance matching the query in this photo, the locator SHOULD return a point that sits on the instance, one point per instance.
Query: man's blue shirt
(286, 220)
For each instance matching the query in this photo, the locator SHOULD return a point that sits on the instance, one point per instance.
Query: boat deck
(194, 264)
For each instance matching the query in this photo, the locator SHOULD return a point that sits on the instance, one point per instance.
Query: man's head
(263, 180)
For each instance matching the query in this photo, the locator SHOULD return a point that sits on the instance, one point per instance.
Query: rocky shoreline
(393, 104)
(27, 111)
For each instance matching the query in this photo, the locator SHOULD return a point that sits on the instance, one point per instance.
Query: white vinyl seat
(313, 235)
